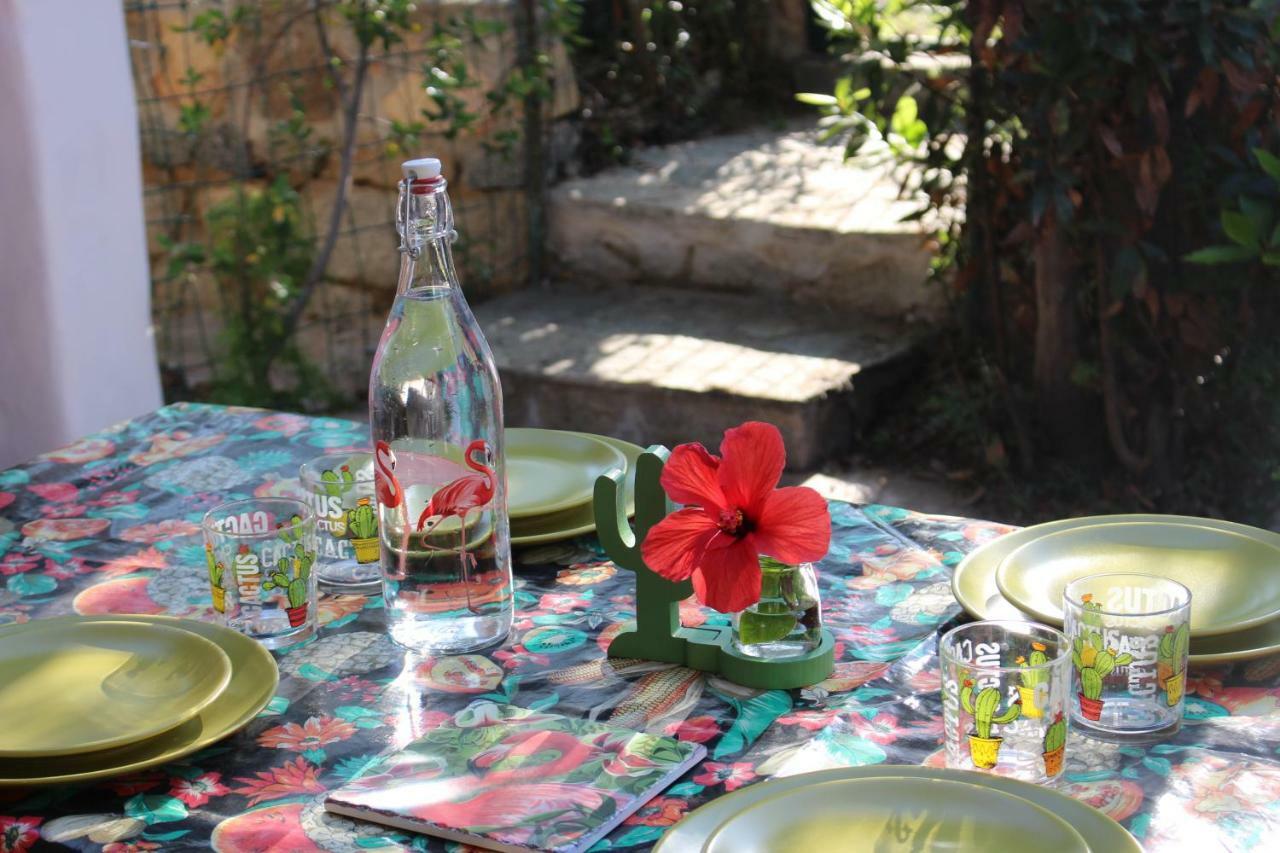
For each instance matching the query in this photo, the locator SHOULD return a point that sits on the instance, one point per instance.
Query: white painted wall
(76, 351)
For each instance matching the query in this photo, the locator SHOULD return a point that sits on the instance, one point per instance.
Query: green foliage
(1094, 662)
(1055, 736)
(1033, 675)
(215, 568)
(1174, 646)
(655, 71)
(1072, 154)
(984, 708)
(362, 521)
(258, 250)
(292, 574)
(336, 482)
(1090, 683)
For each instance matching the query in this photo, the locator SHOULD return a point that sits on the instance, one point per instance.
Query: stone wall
(240, 92)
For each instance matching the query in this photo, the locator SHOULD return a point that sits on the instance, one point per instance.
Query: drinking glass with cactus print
(339, 487)
(260, 556)
(1004, 690)
(1130, 634)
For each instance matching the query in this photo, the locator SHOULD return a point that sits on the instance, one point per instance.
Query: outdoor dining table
(111, 524)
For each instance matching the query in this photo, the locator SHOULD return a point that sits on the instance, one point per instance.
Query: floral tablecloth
(111, 525)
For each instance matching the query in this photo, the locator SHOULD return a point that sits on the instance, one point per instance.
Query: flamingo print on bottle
(455, 500)
(435, 418)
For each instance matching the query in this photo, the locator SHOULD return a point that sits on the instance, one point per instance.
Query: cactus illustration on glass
(1035, 681)
(216, 572)
(290, 531)
(292, 574)
(1055, 742)
(1171, 659)
(362, 524)
(983, 748)
(335, 483)
(1094, 662)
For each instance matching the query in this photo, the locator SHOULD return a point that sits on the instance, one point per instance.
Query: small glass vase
(787, 620)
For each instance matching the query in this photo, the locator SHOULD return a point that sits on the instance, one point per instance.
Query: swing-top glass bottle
(435, 411)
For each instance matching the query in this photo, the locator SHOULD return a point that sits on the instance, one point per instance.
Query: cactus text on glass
(248, 575)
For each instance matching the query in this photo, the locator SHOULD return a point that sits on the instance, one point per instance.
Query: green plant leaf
(1239, 228)
(1260, 213)
(1220, 255)
(817, 99)
(1269, 162)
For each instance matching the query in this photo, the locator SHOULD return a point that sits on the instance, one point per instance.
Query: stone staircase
(751, 276)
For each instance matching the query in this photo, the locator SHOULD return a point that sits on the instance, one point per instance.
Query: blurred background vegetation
(1103, 179)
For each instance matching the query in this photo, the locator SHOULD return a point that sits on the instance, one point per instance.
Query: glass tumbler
(1130, 634)
(1004, 698)
(340, 489)
(260, 554)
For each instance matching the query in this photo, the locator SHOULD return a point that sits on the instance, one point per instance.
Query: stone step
(764, 211)
(659, 365)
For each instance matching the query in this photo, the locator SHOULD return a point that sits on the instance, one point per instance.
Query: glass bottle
(787, 620)
(435, 411)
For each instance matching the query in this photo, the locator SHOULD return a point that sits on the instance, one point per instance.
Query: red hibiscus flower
(660, 811)
(16, 562)
(17, 834)
(293, 777)
(733, 776)
(196, 792)
(696, 729)
(315, 733)
(735, 513)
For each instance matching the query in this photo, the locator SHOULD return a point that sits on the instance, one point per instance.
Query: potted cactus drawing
(1094, 663)
(216, 571)
(291, 575)
(335, 483)
(983, 748)
(1032, 677)
(1171, 661)
(362, 523)
(1055, 742)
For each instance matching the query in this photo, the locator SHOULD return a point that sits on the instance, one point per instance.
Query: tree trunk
(1059, 402)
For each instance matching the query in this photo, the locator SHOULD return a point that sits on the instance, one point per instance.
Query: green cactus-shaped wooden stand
(657, 633)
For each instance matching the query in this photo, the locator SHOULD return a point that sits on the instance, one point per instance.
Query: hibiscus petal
(753, 459)
(795, 526)
(674, 545)
(728, 578)
(689, 478)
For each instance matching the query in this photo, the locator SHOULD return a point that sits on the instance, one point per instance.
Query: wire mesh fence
(272, 133)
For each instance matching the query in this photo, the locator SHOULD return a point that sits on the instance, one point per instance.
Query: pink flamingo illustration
(391, 495)
(457, 499)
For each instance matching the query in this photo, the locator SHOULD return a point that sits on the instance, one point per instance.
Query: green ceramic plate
(890, 814)
(578, 520)
(70, 689)
(1097, 830)
(252, 684)
(1234, 579)
(974, 583)
(549, 471)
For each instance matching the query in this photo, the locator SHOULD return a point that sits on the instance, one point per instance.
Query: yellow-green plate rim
(1100, 832)
(211, 655)
(580, 526)
(578, 499)
(140, 756)
(1249, 644)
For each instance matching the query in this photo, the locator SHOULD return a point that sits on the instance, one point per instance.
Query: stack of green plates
(551, 477)
(85, 697)
(888, 808)
(1232, 570)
